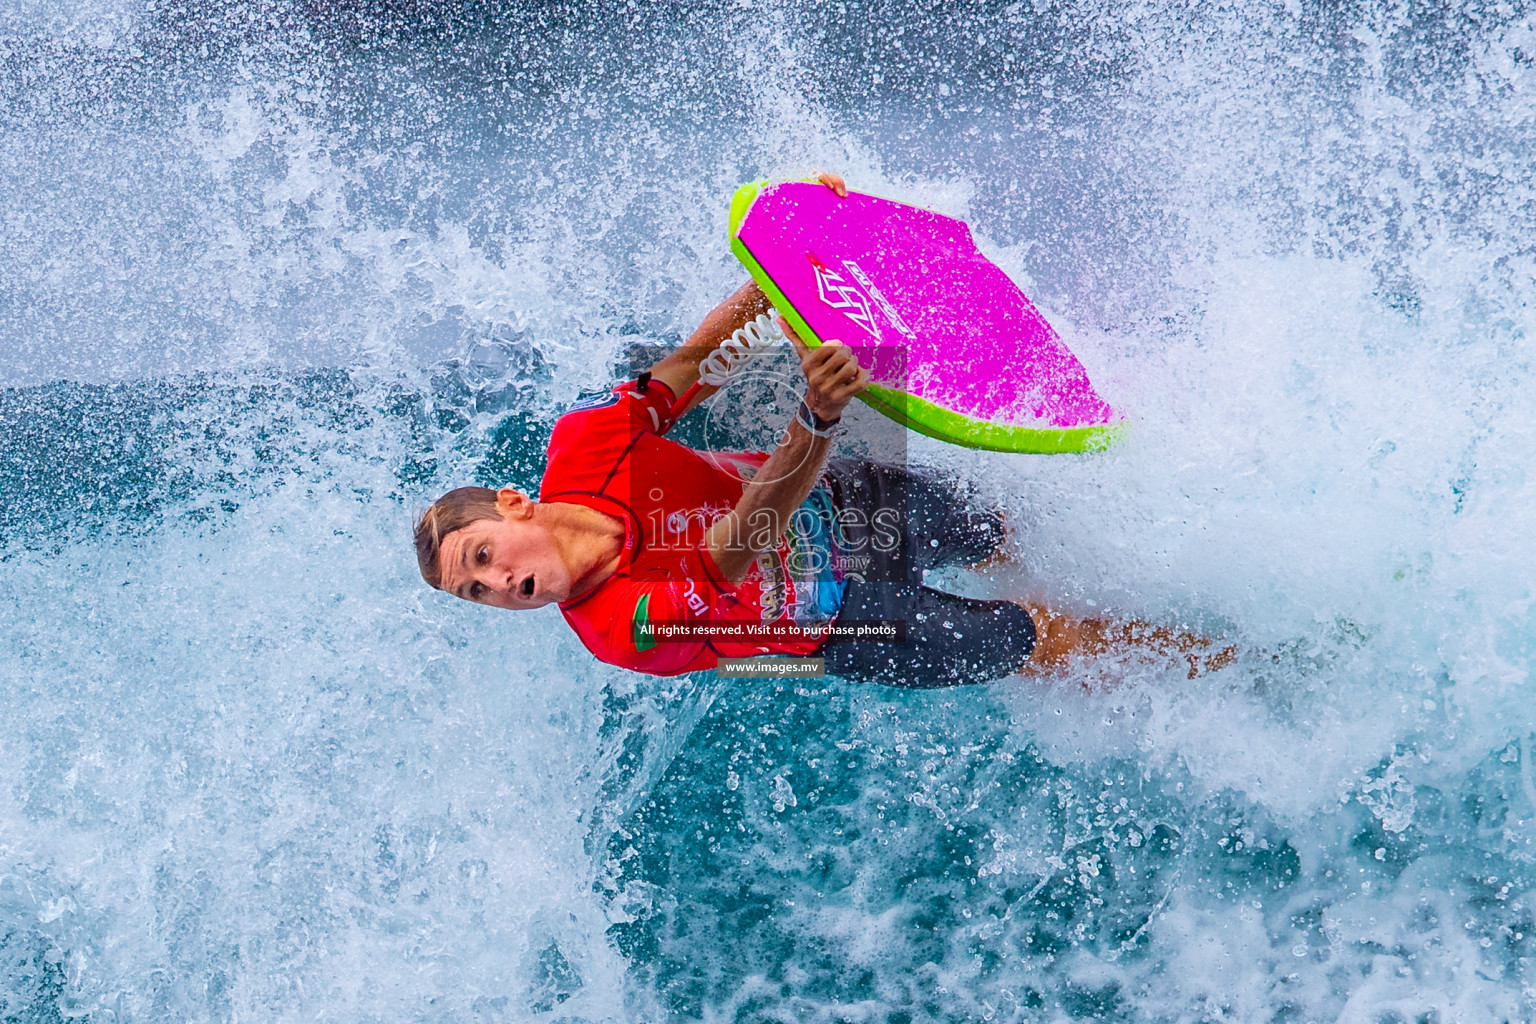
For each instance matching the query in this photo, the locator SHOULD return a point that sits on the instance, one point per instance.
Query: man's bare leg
(1061, 639)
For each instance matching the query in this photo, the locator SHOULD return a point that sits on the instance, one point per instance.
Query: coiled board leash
(734, 355)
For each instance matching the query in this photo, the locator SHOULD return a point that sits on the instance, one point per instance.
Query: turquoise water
(275, 276)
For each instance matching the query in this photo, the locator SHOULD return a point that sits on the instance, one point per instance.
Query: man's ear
(514, 504)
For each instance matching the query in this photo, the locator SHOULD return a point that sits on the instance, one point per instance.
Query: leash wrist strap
(815, 424)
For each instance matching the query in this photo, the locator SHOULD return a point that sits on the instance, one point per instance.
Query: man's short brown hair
(453, 511)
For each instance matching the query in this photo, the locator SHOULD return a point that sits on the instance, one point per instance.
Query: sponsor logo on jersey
(604, 400)
(640, 624)
(703, 517)
(771, 592)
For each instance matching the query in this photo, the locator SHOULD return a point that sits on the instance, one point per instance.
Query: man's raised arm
(680, 370)
(833, 376)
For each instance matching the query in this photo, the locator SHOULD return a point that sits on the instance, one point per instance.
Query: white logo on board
(843, 295)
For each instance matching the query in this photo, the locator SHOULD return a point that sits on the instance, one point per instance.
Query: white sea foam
(255, 769)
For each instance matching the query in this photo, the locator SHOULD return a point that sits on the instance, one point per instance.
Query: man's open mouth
(527, 587)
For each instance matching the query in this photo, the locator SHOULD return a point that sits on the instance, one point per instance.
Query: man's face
(510, 562)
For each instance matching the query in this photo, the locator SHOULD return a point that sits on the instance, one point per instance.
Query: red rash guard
(609, 454)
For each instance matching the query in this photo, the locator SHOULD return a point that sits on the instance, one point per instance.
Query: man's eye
(483, 556)
(475, 590)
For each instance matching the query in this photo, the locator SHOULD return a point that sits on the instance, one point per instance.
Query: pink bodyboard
(956, 350)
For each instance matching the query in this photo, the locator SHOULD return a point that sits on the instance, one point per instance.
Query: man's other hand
(833, 181)
(832, 374)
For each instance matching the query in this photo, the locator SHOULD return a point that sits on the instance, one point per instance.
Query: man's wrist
(814, 423)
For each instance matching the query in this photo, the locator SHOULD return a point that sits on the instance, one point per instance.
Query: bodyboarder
(665, 558)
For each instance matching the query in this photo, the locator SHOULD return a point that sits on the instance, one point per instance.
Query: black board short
(950, 640)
